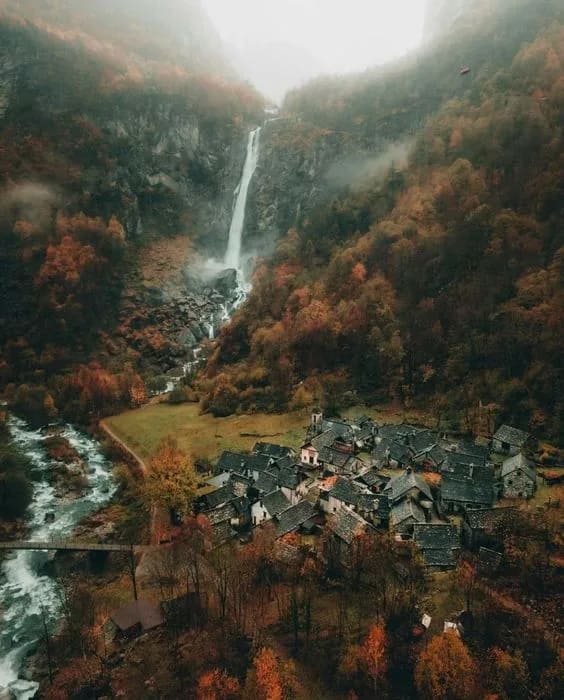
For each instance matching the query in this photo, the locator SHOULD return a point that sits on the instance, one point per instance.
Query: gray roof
(335, 458)
(139, 612)
(230, 461)
(400, 452)
(513, 436)
(373, 479)
(325, 439)
(423, 441)
(346, 524)
(275, 503)
(403, 483)
(440, 558)
(338, 427)
(477, 492)
(289, 478)
(374, 503)
(436, 536)
(266, 482)
(436, 454)
(272, 450)
(219, 496)
(291, 519)
(404, 510)
(221, 513)
(345, 491)
(482, 518)
(519, 463)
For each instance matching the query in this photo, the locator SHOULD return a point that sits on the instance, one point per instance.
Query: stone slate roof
(374, 503)
(266, 482)
(222, 495)
(439, 558)
(482, 518)
(336, 458)
(275, 503)
(139, 612)
(325, 439)
(402, 511)
(400, 485)
(423, 441)
(389, 431)
(231, 462)
(289, 478)
(399, 452)
(258, 463)
(405, 430)
(463, 458)
(471, 448)
(339, 428)
(437, 543)
(512, 436)
(286, 462)
(373, 479)
(222, 532)
(436, 536)
(272, 450)
(221, 513)
(380, 451)
(437, 455)
(345, 491)
(519, 463)
(291, 519)
(346, 525)
(477, 492)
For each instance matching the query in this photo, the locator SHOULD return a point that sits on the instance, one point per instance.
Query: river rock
(226, 282)
(186, 338)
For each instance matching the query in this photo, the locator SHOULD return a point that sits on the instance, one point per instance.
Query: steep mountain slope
(441, 282)
(100, 153)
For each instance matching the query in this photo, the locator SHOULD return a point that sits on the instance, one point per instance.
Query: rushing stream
(24, 590)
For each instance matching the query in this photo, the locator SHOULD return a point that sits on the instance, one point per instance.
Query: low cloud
(29, 201)
(358, 171)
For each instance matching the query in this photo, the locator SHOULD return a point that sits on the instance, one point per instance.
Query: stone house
(438, 543)
(509, 440)
(268, 507)
(404, 515)
(478, 525)
(343, 527)
(518, 477)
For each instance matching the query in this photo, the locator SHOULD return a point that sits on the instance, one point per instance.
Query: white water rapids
(24, 590)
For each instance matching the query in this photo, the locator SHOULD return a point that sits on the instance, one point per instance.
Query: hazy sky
(281, 43)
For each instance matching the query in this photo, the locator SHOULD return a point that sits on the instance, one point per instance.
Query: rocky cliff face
(163, 165)
(294, 175)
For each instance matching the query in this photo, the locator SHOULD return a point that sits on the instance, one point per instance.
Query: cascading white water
(24, 590)
(233, 255)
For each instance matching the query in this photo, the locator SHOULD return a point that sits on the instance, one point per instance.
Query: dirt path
(156, 516)
(140, 461)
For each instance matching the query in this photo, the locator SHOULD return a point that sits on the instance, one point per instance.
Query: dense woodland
(443, 282)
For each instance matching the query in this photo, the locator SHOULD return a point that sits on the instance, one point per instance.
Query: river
(24, 590)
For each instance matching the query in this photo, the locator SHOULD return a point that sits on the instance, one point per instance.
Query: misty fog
(278, 45)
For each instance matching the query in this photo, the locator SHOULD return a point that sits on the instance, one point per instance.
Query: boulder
(226, 282)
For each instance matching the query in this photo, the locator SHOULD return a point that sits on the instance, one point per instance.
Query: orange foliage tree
(217, 685)
(171, 479)
(368, 659)
(445, 670)
(270, 678)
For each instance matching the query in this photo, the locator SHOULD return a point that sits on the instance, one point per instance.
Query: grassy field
(204, 436)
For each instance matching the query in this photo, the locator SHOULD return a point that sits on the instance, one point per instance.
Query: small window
(510, 482)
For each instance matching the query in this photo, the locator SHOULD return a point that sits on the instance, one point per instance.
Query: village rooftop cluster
(350, 477)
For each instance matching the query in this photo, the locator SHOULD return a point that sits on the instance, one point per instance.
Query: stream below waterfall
(24, 589)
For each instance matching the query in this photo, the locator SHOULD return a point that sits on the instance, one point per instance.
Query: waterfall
(233, 255)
